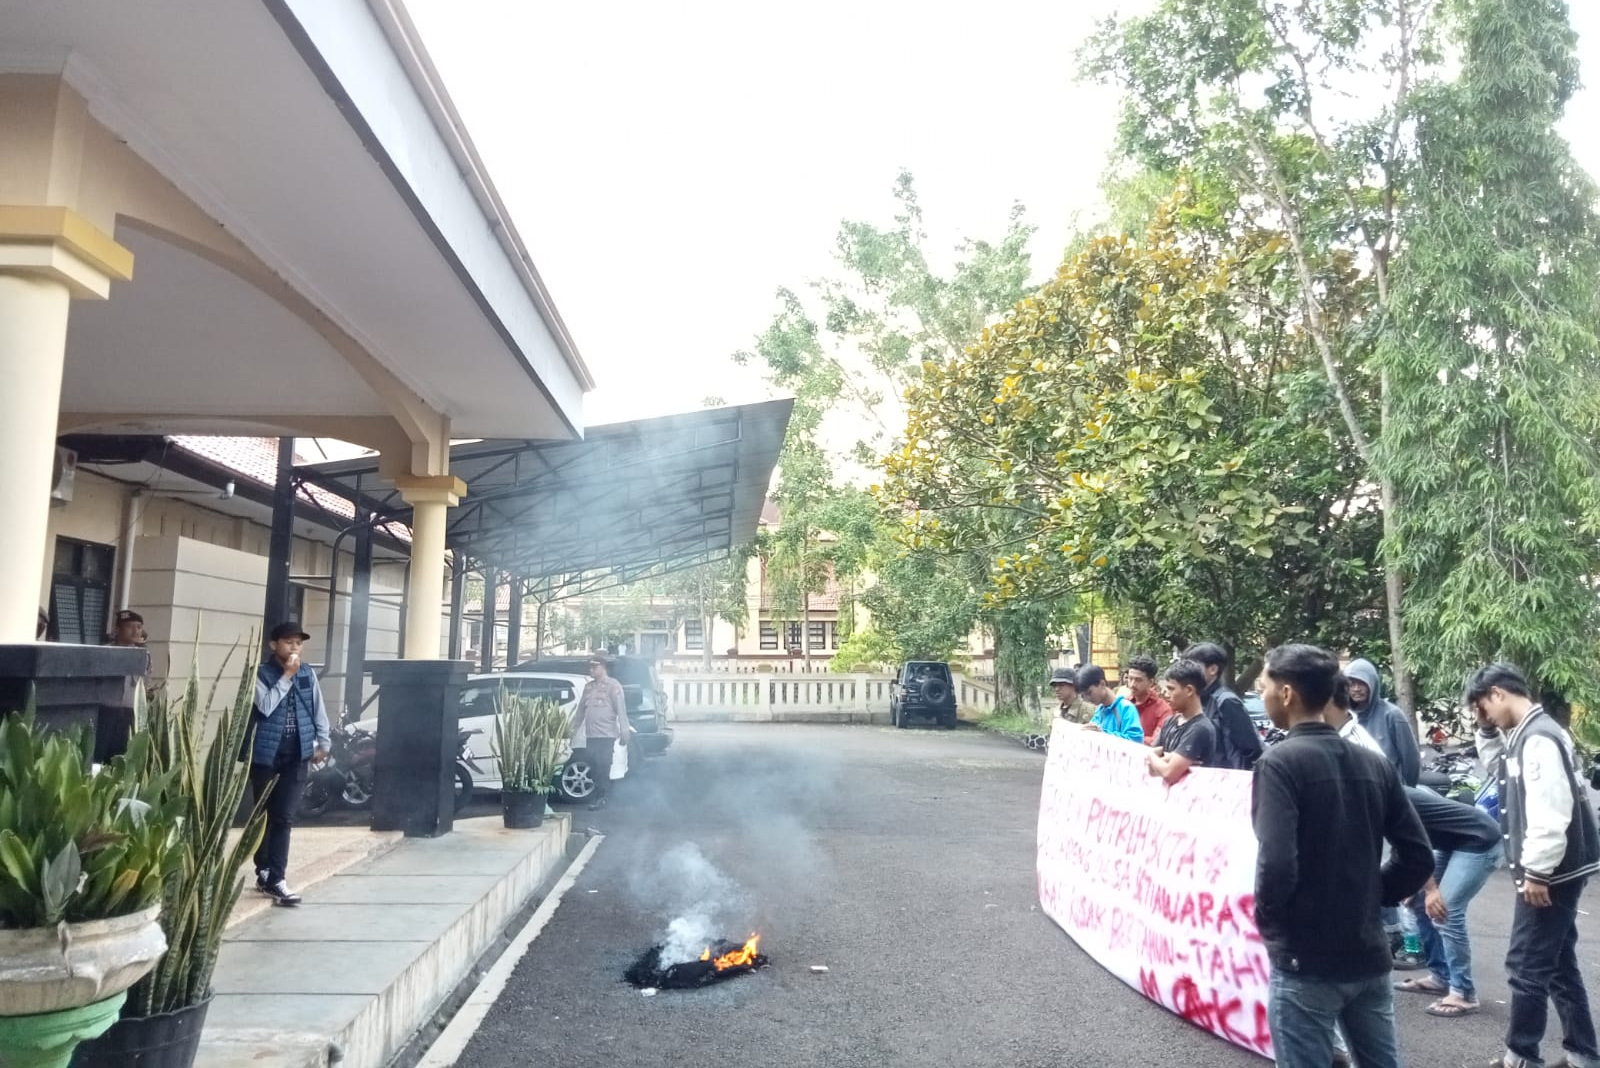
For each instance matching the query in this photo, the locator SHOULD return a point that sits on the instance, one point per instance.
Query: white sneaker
(281, 894)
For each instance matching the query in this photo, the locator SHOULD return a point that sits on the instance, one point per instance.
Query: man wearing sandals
(1466, 848)
(1552, 847)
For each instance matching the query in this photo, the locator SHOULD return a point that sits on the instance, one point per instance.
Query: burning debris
(720, 960)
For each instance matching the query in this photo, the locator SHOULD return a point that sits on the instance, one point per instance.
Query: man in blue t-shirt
(1114, 715)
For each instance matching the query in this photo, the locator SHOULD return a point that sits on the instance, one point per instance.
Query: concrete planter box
(76, 964)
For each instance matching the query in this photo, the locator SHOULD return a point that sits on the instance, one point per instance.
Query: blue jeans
(1302, 1011)
(1460, 876)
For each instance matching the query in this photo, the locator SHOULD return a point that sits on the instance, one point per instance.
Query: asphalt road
(901, 860)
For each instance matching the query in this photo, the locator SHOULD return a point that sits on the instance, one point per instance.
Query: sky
(670, 166)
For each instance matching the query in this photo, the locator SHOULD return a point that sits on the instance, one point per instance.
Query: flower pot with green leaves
(165, 1012)
(530, 740)
(84, 857)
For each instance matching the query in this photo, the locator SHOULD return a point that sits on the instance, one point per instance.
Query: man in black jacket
(1322, 810)
(1238, 744)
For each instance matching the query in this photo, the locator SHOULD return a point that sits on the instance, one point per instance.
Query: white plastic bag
(619, 762)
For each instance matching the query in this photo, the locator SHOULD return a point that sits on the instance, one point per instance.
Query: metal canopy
(630, 501)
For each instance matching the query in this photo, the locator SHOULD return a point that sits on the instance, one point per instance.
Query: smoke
(700, 898)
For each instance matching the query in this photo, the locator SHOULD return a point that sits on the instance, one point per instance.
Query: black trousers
(1542, 967)
(272, 855)
(598, 752)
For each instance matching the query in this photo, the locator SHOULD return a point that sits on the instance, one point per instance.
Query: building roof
(630, 501)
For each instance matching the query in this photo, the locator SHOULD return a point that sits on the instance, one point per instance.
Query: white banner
(1156, 883)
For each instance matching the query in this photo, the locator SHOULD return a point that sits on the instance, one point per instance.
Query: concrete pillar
(430, 498)
(47, 256)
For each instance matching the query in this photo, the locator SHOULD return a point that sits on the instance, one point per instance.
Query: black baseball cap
(1066, 675)
(127, 616)
(288, 630)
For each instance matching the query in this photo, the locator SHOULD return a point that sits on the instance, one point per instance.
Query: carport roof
(629, 501)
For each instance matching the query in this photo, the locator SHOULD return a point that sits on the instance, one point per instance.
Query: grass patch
(1011, 723)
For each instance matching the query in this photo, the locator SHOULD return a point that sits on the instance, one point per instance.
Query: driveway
(903, 862)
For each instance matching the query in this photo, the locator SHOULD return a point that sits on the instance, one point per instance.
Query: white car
(477, 717)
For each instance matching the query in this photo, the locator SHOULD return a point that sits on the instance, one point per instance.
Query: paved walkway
(904, 862)
(375, 948)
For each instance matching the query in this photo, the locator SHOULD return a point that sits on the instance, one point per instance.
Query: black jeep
(923, 688)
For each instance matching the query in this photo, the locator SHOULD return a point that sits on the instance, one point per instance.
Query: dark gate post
(281, 544)
(491, 591)
(458, 601)
(360, 603)
(514, 624)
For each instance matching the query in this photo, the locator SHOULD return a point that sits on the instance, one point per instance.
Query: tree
(1304, 107)
(1491, 356)
(849, 356)
(1149, 428)
(709, 592)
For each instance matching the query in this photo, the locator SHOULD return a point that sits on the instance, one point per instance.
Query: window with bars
(769, 636)
(694, 635)
(791, 635)
(80, 591)
(817, 634)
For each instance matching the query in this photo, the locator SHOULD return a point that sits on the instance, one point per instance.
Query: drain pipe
(132, 529)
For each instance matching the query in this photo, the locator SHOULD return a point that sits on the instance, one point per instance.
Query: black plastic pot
(522, 810)
(167, 1040)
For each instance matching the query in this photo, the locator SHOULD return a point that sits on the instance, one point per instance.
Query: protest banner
(1156, 882)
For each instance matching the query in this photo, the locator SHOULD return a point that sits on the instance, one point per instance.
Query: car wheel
(463, 788)
(897, 714)
(577, 781)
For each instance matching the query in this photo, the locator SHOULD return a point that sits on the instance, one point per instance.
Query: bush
(866, 650)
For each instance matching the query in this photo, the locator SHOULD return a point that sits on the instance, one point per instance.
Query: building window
(791, 635)
(769, 636)
(817, 634)
(694, 635)
(80, 591)
(833, 634)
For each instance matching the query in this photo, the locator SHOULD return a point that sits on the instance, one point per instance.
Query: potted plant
(83, 858)
(165, 1012)
(530, 733)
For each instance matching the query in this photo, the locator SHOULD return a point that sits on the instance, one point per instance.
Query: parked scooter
(345, 778)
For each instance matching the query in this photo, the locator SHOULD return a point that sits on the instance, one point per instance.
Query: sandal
(1450, 1009)
(1422, 984)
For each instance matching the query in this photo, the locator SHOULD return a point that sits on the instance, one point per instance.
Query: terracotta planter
(48, 970)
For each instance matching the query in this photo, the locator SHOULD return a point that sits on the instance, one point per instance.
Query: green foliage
(870, 648)
(1492, 353)
(76, 846)
(530, 734)
(208, 782)
(1148, 427)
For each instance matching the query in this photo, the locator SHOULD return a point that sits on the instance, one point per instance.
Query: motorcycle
(1453, 775)
(345, 777)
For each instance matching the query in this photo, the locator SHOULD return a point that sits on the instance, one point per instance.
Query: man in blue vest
(1552, 847)
(291, 727)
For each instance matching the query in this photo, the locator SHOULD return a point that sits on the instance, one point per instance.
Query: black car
(923, 689)
(646, 697)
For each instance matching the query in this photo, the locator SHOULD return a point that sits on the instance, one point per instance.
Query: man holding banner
(1115, 714)
(1187, 737)
(1322, 810)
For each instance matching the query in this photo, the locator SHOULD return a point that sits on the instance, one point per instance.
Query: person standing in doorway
(1187, 736)
(603, 715)
(1074, 709)
(290, 727)
(1322, 810)
(1238, 744)
(1142, 678)
(1552, 848)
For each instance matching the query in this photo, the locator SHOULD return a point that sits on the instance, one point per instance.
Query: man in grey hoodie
(1383, 720)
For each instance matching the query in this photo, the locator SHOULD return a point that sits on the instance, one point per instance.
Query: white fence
(774, 698)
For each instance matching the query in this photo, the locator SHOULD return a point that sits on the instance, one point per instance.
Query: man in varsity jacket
(1552, 848)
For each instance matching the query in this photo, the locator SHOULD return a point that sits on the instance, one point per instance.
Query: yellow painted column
(47, 257)
(430, 498)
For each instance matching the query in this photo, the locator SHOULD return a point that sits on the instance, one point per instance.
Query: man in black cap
(1064, 681)
(114, 724)
(290, 727)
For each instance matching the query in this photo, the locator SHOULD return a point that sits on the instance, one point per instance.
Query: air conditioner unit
(61, 478)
